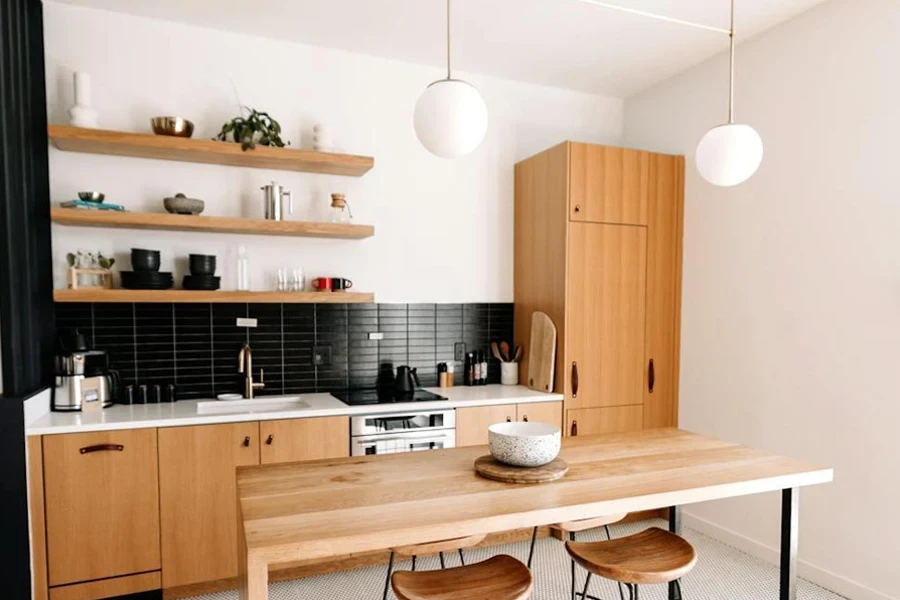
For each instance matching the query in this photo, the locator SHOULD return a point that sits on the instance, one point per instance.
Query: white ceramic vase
(509, 373)
(81, 114)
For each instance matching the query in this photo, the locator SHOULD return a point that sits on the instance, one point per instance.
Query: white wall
(791, 312)
(443, 228)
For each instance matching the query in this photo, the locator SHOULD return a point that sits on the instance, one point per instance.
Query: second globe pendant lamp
(731, 153)
(450, 117)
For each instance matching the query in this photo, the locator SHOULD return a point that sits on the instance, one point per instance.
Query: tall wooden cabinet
(598, 248)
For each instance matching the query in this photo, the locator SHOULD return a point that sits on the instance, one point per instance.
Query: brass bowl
(174, 126)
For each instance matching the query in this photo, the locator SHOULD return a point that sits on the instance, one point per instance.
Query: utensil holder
(509, 373)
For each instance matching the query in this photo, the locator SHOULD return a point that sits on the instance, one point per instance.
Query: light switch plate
(244, 322)
(376, 336)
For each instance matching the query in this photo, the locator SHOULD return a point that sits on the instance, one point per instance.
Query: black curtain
(26, 286)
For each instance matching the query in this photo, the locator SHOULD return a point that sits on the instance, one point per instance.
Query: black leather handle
(525, 418)
(270, 439)
(508, 420)
(102, 448)
(574, 430)
(651, 376)
(574, 379)
(247, 442)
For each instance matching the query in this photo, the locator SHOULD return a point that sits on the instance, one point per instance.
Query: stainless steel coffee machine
(84, 380)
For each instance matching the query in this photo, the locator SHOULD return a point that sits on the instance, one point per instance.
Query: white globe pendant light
(450, 117)
(731, 153)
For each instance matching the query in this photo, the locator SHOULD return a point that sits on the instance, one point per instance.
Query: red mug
(322, 284)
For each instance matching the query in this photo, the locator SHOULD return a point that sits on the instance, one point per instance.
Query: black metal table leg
(790, 534)
(674, 527)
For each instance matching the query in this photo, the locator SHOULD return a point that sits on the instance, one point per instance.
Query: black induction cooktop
(384, 396)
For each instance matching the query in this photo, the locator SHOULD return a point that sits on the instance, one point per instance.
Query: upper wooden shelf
(203, 297)
(147, 145)
(166, 221)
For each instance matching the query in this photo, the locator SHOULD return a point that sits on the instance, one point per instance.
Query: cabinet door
(595, 421)
(472, 423)
(608, 185)
(294, 440)
(663, 291)
(606, 315)
(541, 412)
(102, 503)
(197, 488)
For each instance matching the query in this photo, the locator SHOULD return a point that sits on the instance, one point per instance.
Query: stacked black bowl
(203, 273)
(146, 275)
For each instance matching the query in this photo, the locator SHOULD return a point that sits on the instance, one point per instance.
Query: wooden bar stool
(499, 578)
(573, 527)
(651, 556)
(455, 544)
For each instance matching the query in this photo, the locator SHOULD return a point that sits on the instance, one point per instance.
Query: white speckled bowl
(523, 444)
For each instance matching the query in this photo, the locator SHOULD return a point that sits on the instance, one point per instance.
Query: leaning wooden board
(541, 353)
(487, 466)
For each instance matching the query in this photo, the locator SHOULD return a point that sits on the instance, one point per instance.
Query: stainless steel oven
(402, 432)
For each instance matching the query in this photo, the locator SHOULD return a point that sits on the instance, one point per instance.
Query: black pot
(202, 264)
(144, 260)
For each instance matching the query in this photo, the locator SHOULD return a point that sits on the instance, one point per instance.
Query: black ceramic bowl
(144, 260)
(202, 264)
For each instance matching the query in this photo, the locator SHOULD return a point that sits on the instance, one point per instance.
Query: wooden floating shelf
(148, 145)
(166, 221)
(203, 297)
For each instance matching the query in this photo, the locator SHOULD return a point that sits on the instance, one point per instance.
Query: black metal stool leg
(678, 595)
(462, 559)
(414, 562)
(572, 539)
(531, 551)
(441, 556)
(636, 592)
(387, 581)
(587, 581)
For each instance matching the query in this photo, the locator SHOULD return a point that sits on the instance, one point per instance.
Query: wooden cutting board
(541, 353)
(486, 466)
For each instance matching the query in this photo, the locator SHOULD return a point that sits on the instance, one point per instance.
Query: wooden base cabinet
(472, 423)
(102, 505)
(294, 440)
(598, 248)
(197, 488)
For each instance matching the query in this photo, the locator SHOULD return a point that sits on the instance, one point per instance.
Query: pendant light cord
(448, 39)
(730, 68)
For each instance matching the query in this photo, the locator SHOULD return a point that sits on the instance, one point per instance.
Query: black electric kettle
(406, 382)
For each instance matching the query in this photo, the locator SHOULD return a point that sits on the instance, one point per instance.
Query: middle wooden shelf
(166, 221)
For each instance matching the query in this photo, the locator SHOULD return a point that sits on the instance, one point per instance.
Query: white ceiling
(561, 43)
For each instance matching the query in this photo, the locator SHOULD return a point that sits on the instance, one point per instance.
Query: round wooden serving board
(486, 466)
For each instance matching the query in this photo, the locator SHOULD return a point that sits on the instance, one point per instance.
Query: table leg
(253, 574)
(674, 527)
(790, 535)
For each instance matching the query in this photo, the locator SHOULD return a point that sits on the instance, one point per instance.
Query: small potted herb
(257, 128)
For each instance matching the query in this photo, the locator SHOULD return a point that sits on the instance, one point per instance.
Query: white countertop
(318, 405)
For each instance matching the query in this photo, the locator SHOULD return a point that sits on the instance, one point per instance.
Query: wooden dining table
(331, 508)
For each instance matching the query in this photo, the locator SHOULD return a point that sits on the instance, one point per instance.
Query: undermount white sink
(251, 406)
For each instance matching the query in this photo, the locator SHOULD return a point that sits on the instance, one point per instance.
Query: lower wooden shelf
(219, 296)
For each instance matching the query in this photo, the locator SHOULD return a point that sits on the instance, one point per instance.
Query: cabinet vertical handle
(651, 376)
(247, 442)
(577, 208)
(270, 439)
(102, 448)
(525, 418)
(574, 430)
(574, 379)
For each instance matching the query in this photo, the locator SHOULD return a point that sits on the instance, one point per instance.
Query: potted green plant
(256, 128)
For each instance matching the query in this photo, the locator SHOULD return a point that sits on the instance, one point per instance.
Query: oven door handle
(424, 438)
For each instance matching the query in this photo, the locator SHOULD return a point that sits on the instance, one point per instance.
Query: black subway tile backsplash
(196, 346)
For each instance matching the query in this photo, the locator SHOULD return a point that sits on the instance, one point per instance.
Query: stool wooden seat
(428, 548)
(585, 524)
(651, 556)
(499, 578)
